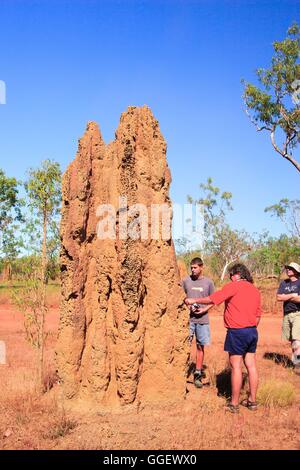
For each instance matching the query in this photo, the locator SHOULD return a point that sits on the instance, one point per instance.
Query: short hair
(242, 270)
(197, 261)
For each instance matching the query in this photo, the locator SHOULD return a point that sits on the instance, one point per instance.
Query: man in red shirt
(241, 317)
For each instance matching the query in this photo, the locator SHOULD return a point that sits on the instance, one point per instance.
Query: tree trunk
(224, 270)
(226, 266)
(43, 303)
(7, 272)
(284, 154)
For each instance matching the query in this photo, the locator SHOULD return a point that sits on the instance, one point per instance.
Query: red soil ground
(30, 422)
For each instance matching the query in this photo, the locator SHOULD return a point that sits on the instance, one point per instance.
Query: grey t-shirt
(194, 288)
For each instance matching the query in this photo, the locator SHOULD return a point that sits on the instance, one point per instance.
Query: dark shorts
(240, 341)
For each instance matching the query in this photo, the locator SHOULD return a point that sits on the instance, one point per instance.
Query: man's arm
(217, 297)
(211, 291)
(285, 297)
(198, 300)
(282, 297)
(258, 312)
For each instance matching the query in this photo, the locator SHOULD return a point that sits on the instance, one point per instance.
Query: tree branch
(284, 154)
(258, 128)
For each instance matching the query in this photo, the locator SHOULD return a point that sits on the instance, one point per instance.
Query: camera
(196, 306)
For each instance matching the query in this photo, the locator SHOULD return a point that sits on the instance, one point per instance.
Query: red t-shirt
(242, 303)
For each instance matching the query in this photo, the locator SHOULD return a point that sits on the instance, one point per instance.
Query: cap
(294, 266)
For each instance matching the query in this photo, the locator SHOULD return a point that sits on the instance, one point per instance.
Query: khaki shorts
(291, 326)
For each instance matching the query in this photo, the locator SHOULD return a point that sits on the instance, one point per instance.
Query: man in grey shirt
(196, 285)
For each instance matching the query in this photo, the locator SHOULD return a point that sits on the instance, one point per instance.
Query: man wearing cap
(289, 294)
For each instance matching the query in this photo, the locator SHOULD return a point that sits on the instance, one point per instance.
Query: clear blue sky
(67, 62)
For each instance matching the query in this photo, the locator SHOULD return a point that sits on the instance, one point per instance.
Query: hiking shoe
(251, 405)
(197, 381)
(232, 408)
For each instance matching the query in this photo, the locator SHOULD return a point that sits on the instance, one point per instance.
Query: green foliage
(23, 265)
(228, 246)
(187, 256)
(28, 299)
(43, 189)
(10, 215)
(270, 255)
(222, 243)
(275, 105)
(53, 269)
(8, 200)
(289, 213)
(215, 204)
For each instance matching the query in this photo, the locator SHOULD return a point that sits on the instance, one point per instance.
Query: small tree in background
(30, 301)
(289, 213)
(223, 244)
(227, 246)
(215, 205)
(275, 107)
(10, 216)
(43, 189)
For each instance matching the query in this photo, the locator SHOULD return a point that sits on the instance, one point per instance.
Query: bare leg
(236, 378)
(199, 356)
(295, 344)
(296, 355)
(250, 363)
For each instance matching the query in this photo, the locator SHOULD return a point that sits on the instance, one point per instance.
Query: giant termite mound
(123, 326)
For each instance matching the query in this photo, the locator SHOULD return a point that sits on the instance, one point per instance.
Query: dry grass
(52, 293)
(30, 420)
(276, 393)
(60, 427)
(200, 423)
(5, 295)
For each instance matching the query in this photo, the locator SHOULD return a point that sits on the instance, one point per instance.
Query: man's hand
(189, 301)
(200, 311)
(296, 298)
(204, 309)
